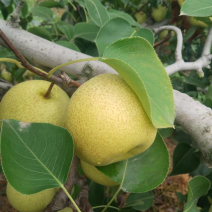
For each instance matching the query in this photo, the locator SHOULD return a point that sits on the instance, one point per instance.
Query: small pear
(140, 17)
(6, 76)
(30, 203)
(67, 209)
(95, 175)
(159, 13)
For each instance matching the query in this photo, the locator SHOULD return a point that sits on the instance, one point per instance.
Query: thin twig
(49, 90)
(166, 38)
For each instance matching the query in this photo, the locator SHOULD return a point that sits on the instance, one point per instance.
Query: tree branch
(5, 85)
(180, 65)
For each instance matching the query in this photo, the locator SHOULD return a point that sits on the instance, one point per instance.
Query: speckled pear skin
(95, 175)
(67, 209)
(107, 121)
(30, 203)
(25, 102)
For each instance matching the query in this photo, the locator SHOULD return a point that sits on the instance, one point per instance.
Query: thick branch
(196, 119)
(208, 43)
(5, 85)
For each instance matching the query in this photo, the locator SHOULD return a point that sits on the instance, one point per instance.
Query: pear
(193, 21)
(6, 76)
(159, 13)
(25, 102)
(140, 17)
(95, 175)
(30, 203)
(107, 121)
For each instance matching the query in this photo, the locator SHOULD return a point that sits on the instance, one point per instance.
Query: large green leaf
(42, 12)
(184, 159)
(197, 187)
(97, 11)
(141, 201)
(197, 8)
(66, 29)
(86, 31)
(136, 61)
(127, 17)
(144, 172)
(35, 156)
(113, 30)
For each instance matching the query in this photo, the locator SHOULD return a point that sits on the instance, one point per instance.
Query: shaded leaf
(66, 29)
(97, 11)
(36, 156)
(86, 31)
(144, 172)
(115, 13)
(141, 201)
(42, 12)
(184, 159)
(68, 45)
(197, 187)
(136, 61)
(166, 132)
(180, 196)
(41, 32)
(6, 2)
(50, 4)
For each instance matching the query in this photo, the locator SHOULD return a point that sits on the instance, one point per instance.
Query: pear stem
(47, 95)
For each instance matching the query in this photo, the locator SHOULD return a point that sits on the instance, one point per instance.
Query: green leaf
(50, 4)
(24, 10)
(208, 103)
(96, 194)
(97, 12)
(201, 170)
(113, 30)
(67, 45)
(197, 8)
(189, 33)
(66, 29)
(147, 34)
(197, 187)
(81, 3)
(41, 32)
(209, 93)
(184, 160)
(86, 31)
(195, 81)
(165, 132)
(42, 12)
(6, 2)
(144, 172)
(141, 201)
(115, 13)
(136, 61)
(180, 196)
(35, 156)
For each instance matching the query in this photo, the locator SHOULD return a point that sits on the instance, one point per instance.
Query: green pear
(164, 33)
(6, 76)
(67, 209)
(107, 121)
(30, 203)
(193, 21)
(159, 13)
(140, 17)
(95, 175)
(25, 102)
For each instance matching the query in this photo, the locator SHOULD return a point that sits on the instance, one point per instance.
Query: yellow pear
(107, 121)
(140, 17)
(159, 13)
(95, 175)
(25, 102)
(67, 209)
(193, 21)
(30, 203)
(6, 76)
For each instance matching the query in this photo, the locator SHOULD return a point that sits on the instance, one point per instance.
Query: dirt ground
(165, 197)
